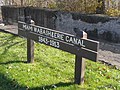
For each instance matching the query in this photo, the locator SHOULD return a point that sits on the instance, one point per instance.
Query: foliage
(113, 12)
(52, 70)
(113, 9)
(87, 6)
(40, 3)
(110, 7)
(30, 2)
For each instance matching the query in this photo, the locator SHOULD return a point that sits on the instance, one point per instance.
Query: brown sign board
(84, 47)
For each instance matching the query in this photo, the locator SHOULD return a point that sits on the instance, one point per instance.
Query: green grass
(52, 70)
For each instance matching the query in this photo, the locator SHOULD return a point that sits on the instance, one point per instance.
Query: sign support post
(80, 64)
(79, 70)
(30, 44)
(30, 51)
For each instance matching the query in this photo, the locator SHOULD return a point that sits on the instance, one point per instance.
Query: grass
(52, 70)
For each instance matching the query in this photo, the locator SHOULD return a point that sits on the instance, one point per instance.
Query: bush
(87, 6)
(113, 12)
(108, 7)
(112, 8)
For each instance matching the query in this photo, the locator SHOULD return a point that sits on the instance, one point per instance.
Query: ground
(110, 53)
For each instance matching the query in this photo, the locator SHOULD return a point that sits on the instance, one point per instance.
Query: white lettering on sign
(53, 34)
(53, 43)
(75, 41)
(27, 27)
(43, 40)
(44, 32)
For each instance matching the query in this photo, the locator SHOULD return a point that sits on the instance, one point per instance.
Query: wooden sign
(80, 46)
(60, 40)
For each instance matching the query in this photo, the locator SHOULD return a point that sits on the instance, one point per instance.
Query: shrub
(87, 6)
(108, 7)
(113, 12)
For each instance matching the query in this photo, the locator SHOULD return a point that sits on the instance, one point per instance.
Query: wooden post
(79, 70)
(80, 64)
(30, 51)
(30, 44)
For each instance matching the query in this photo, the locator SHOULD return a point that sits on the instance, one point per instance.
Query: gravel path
(110, 53)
